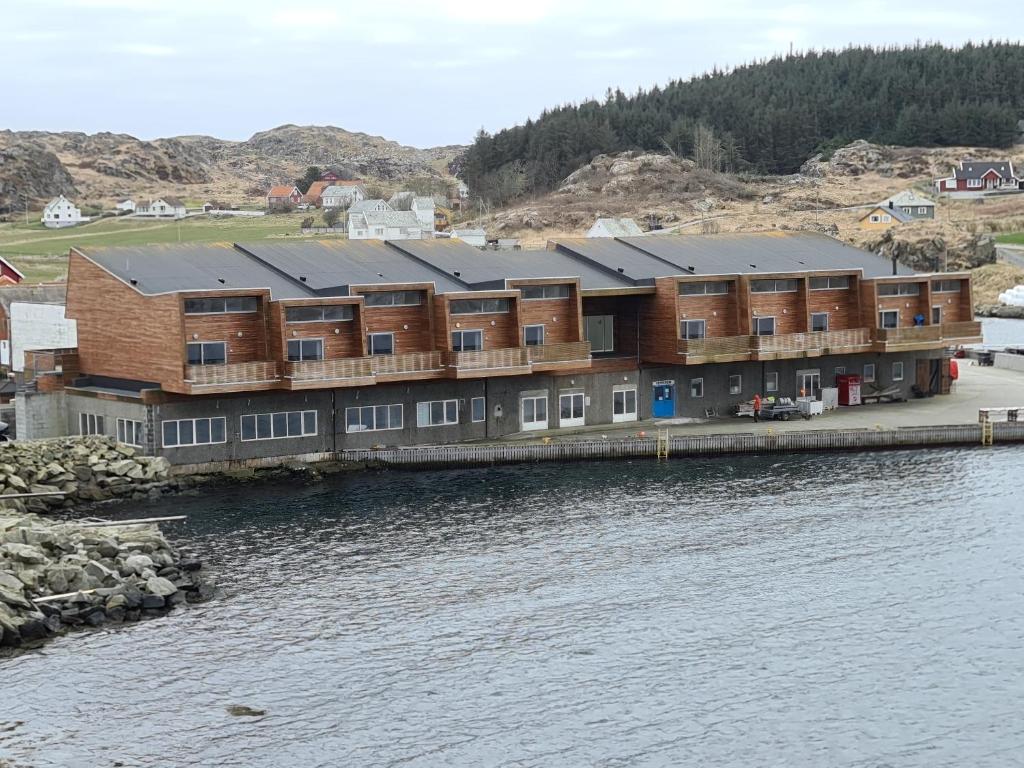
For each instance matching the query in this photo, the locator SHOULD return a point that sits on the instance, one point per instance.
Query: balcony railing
(570, 351)
(231, 374)
(410, 362)
(488, 359)
(813, 342)
(916, 334)
(714, 347)
(965, 329)
(64, 360)
(329, 370)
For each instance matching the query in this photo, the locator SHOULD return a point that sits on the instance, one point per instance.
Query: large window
(129, 432)
(830, 283)
(183, 432)
(869, 372)
(624, 405)
(435, 413)
(946, 286)
(478, 409)
(764, 326)
(305, 349)
(692, 329)
(467, 341)
(207, 353)
(773, 286)
(599, 330)
(708, 288)
(533, 335)
(381, 343)
(477, 306)
(373, 418)
(889, 318)
(545, 291)
(771, 382)
(318, 314)
(819, 321)
(274, 426)
(90, 424)
(221, 305)
(899, 289)
(393, 298)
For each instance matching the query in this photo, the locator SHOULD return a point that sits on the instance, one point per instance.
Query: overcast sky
(423, 72)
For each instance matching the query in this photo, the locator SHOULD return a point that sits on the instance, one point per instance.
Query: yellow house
(883, 217)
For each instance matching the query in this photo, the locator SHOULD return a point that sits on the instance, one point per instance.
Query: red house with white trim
(283, 196)
(981, 176)
(9, 273)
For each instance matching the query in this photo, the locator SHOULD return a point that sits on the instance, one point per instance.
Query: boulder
(24, 553)
(123, 467)
(152, 602)
(158, 585)
(15, 598)
(137, 563)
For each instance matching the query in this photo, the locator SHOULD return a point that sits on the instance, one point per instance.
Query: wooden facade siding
(842, 306)
(963, 332)
(245, 333)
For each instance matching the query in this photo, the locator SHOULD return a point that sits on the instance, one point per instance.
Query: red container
(849, 389)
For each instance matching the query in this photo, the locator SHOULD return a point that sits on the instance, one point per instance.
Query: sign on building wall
(39, 326)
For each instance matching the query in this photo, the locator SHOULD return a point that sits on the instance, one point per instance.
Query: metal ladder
(662, 446)
(987, 432)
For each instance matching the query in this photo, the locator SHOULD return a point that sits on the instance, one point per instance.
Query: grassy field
(1011, 238)
(42, 253)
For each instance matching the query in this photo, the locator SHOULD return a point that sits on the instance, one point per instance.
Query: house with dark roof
(278, 348)
(981, 176)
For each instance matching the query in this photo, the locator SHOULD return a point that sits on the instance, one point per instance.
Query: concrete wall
(40, 414)
(1009, 361)
(111, 410)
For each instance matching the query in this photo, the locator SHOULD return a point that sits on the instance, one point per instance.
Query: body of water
(855, 610)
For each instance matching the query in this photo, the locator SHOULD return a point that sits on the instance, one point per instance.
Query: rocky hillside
(98, 168)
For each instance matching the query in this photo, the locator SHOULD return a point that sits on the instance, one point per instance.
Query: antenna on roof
(221, 280)
(622, 270)
(302, 278)
(753, 266)
(457, 273)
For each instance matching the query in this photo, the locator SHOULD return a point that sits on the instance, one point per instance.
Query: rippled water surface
(852, 610)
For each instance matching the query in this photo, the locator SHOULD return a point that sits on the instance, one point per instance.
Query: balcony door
(599, 330)
(764, 326)
(808, 383)
(936, 315)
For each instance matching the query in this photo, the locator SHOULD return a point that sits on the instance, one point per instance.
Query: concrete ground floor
(201, 429)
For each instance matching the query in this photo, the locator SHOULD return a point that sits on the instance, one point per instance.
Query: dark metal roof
(975, 169)
(331, 266)
(192, 267)
(46, 293)
(617, 256)
(761, 252)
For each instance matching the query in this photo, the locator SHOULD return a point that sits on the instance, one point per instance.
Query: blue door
(664, 406)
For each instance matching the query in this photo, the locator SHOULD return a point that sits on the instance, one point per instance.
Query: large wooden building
(216, 352)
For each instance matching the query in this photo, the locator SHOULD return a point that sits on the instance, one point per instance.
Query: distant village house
(9, 274)
(61, 212)
(127, 206)
(342, 194)
(384, 225)
(474, 237)
(981, 176)
(882, 216)
(912, 204)
(161, 208)
(283, 197)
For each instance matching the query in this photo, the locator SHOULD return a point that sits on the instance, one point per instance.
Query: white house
(474, 237)
(384, 225)
(369, 205)
(342, 195)
(162, 207)
(61, 212)
(125, 205)
(423, 207)
(615, 228)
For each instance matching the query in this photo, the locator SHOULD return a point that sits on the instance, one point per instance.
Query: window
(773, 286)
(922, 210)
(830, 283)
(696, 387)
(692, 329)
(90, 424)
(599, 330)
(534, 412)
(709, 288)
(571, 409)
(182, 432)
(764, 326)
(381, 343)
(207, 353)
(974, 183)
(771, 382)
(435, 413)
(477, 306)
(735, 384)
(129, 432)
(889, 318)
(373, 418)
(819, 321)
(869, 373)
(946, 286)
(545, 291)
(220, 305)
(533, 335)
(624, 405)
(274, 426)
(393, 298)
(875, 218)
(305, 349)
(467, 341)
(478, 409)
(899, 289)
(897, 371)
(886, 218)
(318, 314)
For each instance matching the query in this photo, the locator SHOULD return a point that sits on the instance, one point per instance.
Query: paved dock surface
(978, 387)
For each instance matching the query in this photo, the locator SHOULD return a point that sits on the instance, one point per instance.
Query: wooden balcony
(232, 377)
(717, 349)
(553, 357)
(315, 374)
(511, 361)
(908, 339)
(814, 344)
(964, 332)
(407, 367)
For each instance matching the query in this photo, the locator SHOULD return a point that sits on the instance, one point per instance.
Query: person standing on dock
(757, 406)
